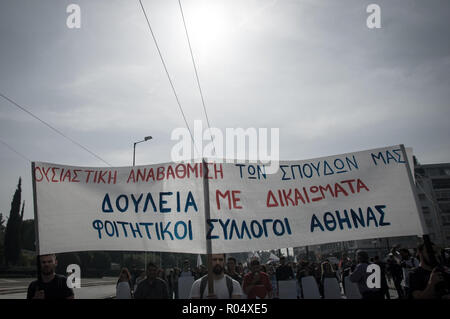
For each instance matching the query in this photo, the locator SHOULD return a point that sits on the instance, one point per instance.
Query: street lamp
(134, 162)
(134, 147)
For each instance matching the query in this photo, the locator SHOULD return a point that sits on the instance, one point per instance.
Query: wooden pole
(425, 235)
(207, 217)
(36, 224)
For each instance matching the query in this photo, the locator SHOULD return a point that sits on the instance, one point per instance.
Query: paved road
(95, 292)
(92, 288)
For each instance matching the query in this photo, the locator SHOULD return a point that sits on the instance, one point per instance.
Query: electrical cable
(53, 128)
(196, 75)
(168, 75)
(15, 151)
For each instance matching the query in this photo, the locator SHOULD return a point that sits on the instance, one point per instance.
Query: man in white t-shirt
(224, 286)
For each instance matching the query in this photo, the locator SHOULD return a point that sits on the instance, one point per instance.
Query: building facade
(433, 190)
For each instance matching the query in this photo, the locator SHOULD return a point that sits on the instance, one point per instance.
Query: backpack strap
(229, 285)
(204, 281)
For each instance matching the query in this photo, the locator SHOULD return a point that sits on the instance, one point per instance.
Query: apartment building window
(445, 208)
(433, 172)
(442, 195)
(441, 183)
(446, 220)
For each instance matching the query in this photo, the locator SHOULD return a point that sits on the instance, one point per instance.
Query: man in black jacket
(49, 285)
(152, 287)
(284, 272)
(429, 281)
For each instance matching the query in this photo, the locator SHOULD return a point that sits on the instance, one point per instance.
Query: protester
(224, 287)
(175, 276)
(303, 270)
(359, 276)
(384, 286)
(186, 271)
(142, 275)
(327, 271)
(429, 281)
(240, 269)
(316, 272)
(49, 285)
(162, 274)
(396, 272)
(408, 263)
(202, 271)
(231, 270)
(284, 272)
(346, 268)
(152, 287)
(273, 280)
(257, 283)
(123, 286)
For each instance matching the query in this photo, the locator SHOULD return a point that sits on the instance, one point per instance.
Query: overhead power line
(54, 129)
(167, 73)
(196, 75)
(15, 151)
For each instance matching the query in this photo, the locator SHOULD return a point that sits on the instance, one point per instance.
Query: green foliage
(65, 260)
(28, 237)
(13, 228)
(101, 260)
(2, 239)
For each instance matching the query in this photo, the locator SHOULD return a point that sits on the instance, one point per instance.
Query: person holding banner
(224, 286)
(152, 287)
(49, 285)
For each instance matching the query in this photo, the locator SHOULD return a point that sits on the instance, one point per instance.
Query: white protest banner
(142, 208)
(161, 207)
(351, 196)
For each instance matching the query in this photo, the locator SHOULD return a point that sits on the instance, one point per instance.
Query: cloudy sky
(313, 69)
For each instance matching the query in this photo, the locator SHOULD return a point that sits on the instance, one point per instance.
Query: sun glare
(207, 26)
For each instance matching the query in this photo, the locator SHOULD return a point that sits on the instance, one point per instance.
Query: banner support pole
(413, 189)
(425, 234)
(36, 224)
(207, 218)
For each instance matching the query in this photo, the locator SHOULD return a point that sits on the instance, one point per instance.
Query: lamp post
(134, 162)
(134, 147)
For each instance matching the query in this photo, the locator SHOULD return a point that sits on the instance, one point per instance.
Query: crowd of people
(413, 275)
(409, 273)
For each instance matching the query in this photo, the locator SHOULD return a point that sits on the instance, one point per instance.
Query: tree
(66, 259)
(13, 228)
(2, 238)
(28, 238)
